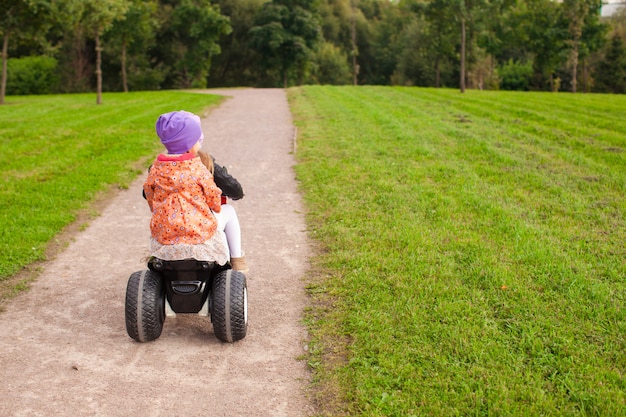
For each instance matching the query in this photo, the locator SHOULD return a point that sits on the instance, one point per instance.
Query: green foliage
(84, 22)
(285, 38)
(167, 44)
(542, 31)
(237, 64)
(471, 250)
(128, 43)
(412, 68)
(62, 150)
(99, 15)
(385, 39)
(142, 76)
(32, 75)
(19, 19)
(611, 73)
(331, 66)
(336, 19)
(585, 31)
(515, 75)
(15, 16)
(434, 35)
(188, 39)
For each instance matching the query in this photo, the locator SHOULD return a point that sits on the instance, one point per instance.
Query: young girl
(182, 195)
(227, 217)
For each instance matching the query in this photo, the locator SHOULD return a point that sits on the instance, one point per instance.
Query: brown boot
(239, 264)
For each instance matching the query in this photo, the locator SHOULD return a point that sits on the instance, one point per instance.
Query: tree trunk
(355, 66)
(437, 73)
(585, 76)
(98, 69)
(226, 68)
(80, 62)
(552, 82)
(124, 79)
(574, 66)
(5, 58)
(462, 54)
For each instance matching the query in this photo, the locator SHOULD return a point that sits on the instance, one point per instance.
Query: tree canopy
(285, 35)
(122, 45)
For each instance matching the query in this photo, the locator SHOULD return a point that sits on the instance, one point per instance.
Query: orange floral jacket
(181, 194)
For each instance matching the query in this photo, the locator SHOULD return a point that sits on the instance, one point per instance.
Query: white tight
(228, 222)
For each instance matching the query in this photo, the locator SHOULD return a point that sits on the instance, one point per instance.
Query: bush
(32, 75)
(331, 66)
(515, 75)
(141, 78)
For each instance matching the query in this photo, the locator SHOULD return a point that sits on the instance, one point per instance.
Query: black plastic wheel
(229, 306)
(145, 306)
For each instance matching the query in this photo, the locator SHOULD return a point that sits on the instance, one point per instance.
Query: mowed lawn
(470, 250)
(58, 152)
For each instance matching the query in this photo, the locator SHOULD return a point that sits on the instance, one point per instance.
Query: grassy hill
(60, 151)
(471, 250)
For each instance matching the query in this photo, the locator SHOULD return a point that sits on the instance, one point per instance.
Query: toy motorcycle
(186, 286)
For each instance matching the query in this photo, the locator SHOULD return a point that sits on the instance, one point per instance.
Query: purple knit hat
(178, 131)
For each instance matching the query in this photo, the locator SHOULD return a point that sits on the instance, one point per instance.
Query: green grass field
(471, 254)
(60, 151)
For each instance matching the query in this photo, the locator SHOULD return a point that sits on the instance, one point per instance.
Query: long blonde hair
(206, 160)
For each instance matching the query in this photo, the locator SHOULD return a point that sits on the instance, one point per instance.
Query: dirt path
(64, 350)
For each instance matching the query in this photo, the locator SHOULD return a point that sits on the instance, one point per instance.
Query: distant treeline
(52, 46)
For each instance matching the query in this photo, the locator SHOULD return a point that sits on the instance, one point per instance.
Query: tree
(88, 19)
(98, 17)
(419, 62)
(575, 12)
(188, 39)
(594, 37)
(440, 18)
(342, 24)
(452, 16)
(462, 16)
(237, 64)
(542, 32)
(16, 17)
(285, 35)
(611, 72)
(470, 14)
(331, 66)
(385, 36)
(354, 51)
(74, 61)
(547, 35)
(495, 41)
(138, 27)
(373, 37)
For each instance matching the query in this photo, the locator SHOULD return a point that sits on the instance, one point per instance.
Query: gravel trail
(64, 350)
